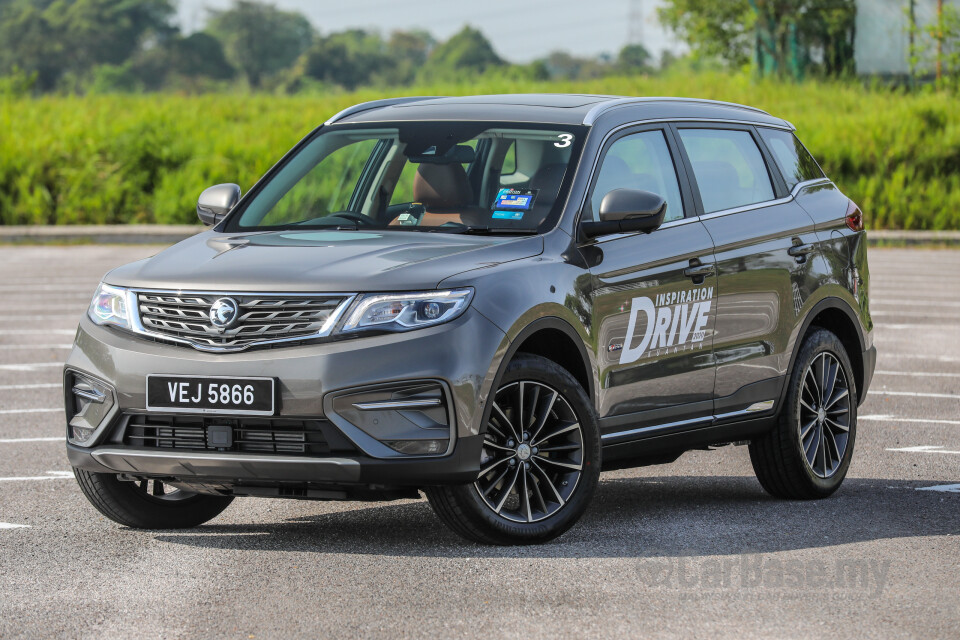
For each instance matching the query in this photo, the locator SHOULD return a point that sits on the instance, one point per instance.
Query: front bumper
(463, 355)
(239, 470)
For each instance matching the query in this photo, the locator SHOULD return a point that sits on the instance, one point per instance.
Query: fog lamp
(418, 447)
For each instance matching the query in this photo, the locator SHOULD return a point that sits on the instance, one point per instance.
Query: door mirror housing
(216, 202)
(627, 211)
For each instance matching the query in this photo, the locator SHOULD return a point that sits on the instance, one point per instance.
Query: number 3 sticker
(565, 140)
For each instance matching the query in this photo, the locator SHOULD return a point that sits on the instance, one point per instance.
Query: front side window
(728, 167)
(438, 176)
(639, 161)
(794, 161)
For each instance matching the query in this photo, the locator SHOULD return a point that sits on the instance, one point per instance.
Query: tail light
(854, 217)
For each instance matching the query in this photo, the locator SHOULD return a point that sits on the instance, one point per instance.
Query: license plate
(193, 394)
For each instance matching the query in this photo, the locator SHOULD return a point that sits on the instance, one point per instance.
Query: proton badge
(223, 313)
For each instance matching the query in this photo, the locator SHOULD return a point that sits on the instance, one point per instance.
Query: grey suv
(488, 299)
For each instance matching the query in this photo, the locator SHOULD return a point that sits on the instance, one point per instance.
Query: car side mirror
(627, 211)
(216, 202)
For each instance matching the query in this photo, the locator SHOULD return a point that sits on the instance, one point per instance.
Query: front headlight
(110, 306)
(406, 311)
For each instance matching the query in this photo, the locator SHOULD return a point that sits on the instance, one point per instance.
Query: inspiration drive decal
(677, 319)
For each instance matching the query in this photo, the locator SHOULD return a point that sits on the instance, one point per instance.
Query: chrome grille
(262, 319)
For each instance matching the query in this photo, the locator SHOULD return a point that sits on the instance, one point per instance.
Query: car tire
(148, 504)
(807, 454)
(538, 471)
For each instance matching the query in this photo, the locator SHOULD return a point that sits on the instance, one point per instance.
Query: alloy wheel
(825, 415)
(532, 456)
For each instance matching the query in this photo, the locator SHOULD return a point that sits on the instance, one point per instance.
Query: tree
(199, 55)
(466, 51)
(56, 37)
(348, 58)
(260, 39)
(713, 28)
(564, 66)
(779, 35)
(409, 51)
(633, 58)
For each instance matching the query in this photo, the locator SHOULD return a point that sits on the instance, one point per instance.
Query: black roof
(557, 108)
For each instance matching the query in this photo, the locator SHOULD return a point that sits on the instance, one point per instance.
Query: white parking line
(17, 440)
(919, 374)
(60, 286)
(946, 488)
(923, 356)
(10, 525)
(51, 475)
(884, 325)
(914, 301)
(36, 332)
(36, 346)
(48, 316)
(37, 309)
(914, 394)
(11, 411)
(45, 385)
(926, 449)
(917, 420)
(911, 314)
(29, 366)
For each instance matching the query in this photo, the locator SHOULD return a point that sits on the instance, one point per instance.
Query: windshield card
(515, 199)
(507, 215)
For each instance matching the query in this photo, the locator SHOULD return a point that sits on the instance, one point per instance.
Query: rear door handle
(699, 271)
(800, 251)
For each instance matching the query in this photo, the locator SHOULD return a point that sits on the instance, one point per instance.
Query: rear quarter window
(794, 161)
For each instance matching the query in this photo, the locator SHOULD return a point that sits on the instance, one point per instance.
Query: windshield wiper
(484, 231)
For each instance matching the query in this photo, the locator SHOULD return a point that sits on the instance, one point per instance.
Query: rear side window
(640, 161)
(729, 168)
(795, 162)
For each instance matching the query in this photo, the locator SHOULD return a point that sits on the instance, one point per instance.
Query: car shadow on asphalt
(647, 517)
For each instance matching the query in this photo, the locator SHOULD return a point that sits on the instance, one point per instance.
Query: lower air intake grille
(242, 435)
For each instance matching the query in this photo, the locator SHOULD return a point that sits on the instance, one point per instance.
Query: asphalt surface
(689, 549)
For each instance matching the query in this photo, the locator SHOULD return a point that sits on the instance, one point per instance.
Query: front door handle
(699, 271)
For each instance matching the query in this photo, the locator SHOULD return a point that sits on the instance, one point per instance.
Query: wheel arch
(838, 317)
(556, 340)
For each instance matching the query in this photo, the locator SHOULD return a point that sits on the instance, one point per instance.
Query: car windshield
(420, 176)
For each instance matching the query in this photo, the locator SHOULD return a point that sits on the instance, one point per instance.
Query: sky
(520, 30)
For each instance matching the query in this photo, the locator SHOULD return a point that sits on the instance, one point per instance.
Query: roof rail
(376, 104)
(600, 108)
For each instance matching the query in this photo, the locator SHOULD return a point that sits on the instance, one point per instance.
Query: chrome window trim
(766, 203)
(800, 186)
(642, 123)
(599, 109)
(327, 328)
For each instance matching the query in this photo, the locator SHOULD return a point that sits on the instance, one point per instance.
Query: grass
(145, 158)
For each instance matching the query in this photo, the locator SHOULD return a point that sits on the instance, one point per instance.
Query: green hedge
(145, 158)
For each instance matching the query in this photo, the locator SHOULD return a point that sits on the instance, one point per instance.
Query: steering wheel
(353, 216)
